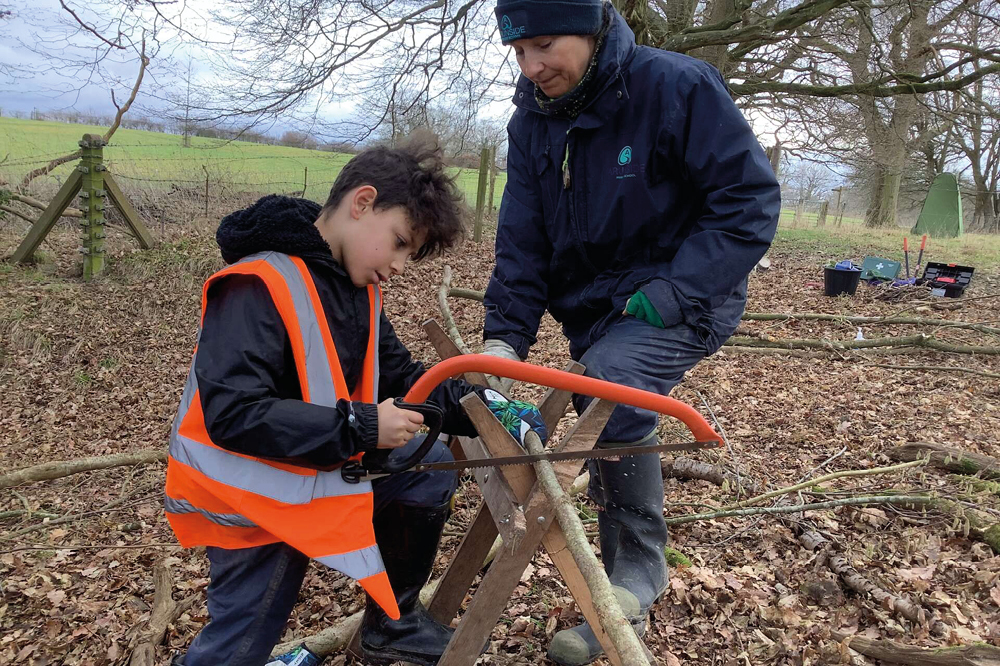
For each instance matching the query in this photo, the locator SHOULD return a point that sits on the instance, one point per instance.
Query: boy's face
(378, 243)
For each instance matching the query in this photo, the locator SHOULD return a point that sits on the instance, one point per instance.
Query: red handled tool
(370, 467)
(923, 242)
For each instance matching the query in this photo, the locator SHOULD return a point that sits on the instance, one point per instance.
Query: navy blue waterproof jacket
(665, 188)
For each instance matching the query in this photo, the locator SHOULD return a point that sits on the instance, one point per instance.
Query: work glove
(518, 417)
(640, 307)
(501, 349)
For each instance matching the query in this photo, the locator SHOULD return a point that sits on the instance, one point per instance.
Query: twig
(823, 479)
(21, 512)
(74, 517)
(918, 340)
(937, 368)
(13, 211)
(798, 508)
(41, 171)
(92, 547)
(41, 205)
(823, 464)
(613, 620)
(978, 654)
(888, 321)
(165, 610)
(57, 470)
(722, 433)
(449, 320)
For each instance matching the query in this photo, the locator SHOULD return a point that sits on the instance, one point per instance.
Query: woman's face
(554, 63)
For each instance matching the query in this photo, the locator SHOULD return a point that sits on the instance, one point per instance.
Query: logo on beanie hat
(508, 32)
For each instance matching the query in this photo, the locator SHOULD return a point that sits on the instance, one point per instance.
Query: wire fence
(156, 168)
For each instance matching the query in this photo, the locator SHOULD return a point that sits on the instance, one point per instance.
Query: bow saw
(377, 464)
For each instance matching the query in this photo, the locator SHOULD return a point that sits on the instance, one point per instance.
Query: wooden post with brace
(94, 183)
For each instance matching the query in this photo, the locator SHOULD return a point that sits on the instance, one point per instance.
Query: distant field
(160, 160)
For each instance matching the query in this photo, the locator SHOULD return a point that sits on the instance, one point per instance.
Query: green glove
(640, 307)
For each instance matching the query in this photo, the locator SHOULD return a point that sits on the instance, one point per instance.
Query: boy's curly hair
(412, 176)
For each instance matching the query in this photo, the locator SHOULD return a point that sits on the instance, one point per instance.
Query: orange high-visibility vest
(216, 497)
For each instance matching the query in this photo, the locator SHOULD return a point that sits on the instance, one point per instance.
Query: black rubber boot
(632, 533)
(408, 538)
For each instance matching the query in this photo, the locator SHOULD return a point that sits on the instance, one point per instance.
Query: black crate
(947, 279)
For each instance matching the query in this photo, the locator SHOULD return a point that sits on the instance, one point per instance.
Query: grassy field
(852, 240)
(161, 160)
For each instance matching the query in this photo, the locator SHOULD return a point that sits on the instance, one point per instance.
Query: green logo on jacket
(625, 156)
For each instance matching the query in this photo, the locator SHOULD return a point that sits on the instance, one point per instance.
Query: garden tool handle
(567, 381)
(378, 462)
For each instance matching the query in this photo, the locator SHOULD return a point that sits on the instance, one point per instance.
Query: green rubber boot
(578, 645)
(632, 535)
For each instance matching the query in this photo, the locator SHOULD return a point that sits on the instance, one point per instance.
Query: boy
(294, 373)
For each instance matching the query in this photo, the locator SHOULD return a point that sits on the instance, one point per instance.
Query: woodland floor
(92, 369)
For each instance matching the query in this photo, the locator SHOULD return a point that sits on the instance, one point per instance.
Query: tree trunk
(885, 196)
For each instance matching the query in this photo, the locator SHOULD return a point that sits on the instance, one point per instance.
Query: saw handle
(377, 461)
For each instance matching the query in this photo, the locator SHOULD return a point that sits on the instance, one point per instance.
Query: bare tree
(296, 56)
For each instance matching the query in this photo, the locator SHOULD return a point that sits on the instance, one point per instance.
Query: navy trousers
(252, 590)
(637, 354)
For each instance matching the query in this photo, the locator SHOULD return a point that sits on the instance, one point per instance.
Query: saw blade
(592, 454)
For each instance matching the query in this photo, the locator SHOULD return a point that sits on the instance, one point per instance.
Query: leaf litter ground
(98, 369)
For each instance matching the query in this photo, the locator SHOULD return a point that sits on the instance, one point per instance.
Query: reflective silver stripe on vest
(357, 564)
(319, 378)
(190, 387)
(179, 506)
(260, 478)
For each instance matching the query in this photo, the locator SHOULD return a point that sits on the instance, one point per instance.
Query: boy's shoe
(408, 538)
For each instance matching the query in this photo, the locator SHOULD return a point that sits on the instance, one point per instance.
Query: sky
(28, 81)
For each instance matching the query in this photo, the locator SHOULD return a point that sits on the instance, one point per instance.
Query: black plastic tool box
(947, 279)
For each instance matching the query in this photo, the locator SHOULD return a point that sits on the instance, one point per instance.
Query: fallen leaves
(107, 379)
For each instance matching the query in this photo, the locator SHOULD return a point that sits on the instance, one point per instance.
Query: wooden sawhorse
(517, 510)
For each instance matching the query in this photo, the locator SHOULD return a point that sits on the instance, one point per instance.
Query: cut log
(949, 459)
(689, 468)
(56, 470)
(897, 653)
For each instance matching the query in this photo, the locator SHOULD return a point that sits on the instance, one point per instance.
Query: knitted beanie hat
(524, 19)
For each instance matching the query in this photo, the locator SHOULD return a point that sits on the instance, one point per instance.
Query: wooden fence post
(821, 218)
(477, 233)
(96, 186)
(92, 193)
(206, 189)
(493, 179)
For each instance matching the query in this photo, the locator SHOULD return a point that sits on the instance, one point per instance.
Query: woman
(637, 202)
